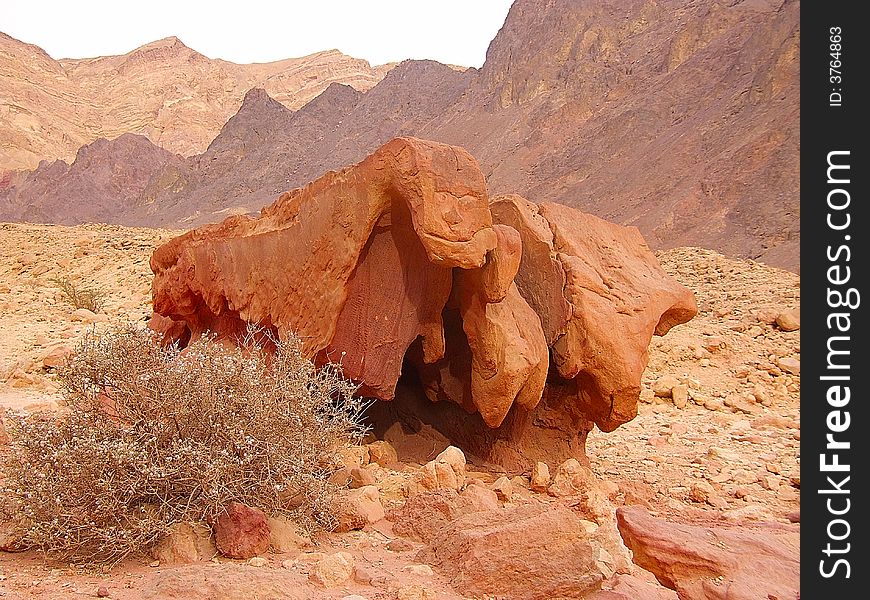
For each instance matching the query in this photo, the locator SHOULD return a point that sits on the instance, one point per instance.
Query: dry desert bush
(80, 296)
(155, 436)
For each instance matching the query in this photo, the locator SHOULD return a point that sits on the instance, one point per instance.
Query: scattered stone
(571, 478)
(680, 395)
(332, 570)
(789, 365)
(354, 456)
(447, 470)
(794, 516)
(285, 536)
(503, 488)
(186, 543)
(400, 545)
(540, 477)
(663, 385)
(361, 477)
(419, 570)
(701, 492)
(357, 508)
(789, 320)
(755, 331)
(241, 531)
(102, 592)
(424, 515)
(56, 356)
(382, 453)
(415, 592)
(258, 561)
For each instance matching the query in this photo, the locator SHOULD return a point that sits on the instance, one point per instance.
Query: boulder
(241, 531)
(402, 262)
(740, 562)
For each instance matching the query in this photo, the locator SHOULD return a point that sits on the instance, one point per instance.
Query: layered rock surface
(401, 263)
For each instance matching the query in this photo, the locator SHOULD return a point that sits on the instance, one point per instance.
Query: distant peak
(258, 97)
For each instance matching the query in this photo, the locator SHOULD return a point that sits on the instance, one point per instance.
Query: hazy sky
(450, 31)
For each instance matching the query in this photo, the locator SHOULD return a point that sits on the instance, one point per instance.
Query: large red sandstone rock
(401, 260)
(715, 563)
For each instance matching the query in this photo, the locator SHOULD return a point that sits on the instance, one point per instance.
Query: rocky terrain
(575, 104)
(171, 94)
(716, 444)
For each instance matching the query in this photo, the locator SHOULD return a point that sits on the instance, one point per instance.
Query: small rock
(446, 471)
(794, 517)
(332, 570)
(769, 482)
(647, 395)
(789, 365)
(701, 492)
(258, 561)
(540, 477)
(714, 404)
(286, 536)
(772, 468)
(400, 545)
(354, 456)
(357, 508)
(361, 477)
(571, 478)
(382, 453)
(186, 543)
(724, 454)
(503, 488)
(415, 592)
(420, 570)
(663, 385)
(789, 320)
(755, 331)
(713, 344)
(241, 531)
(102, 592)
(680, 395)
(56, 356)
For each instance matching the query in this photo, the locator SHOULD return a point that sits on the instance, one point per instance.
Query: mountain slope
(679, 117)
(103, 183)
(164, 90)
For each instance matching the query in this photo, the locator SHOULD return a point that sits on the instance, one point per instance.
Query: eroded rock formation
(533, 319)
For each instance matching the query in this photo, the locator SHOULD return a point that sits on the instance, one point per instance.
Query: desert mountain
(681, 118)
(173, 95)
(106, 178)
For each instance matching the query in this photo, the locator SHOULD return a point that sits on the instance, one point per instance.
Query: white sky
(450, 31)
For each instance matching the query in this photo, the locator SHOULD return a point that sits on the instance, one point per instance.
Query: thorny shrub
(155, 436)
(80, 296)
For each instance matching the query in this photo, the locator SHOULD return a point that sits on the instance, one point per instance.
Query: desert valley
(567, 283)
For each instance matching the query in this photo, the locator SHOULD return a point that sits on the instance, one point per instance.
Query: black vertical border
(826, 128)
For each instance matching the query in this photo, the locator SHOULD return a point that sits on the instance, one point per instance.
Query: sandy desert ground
(717, 435)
